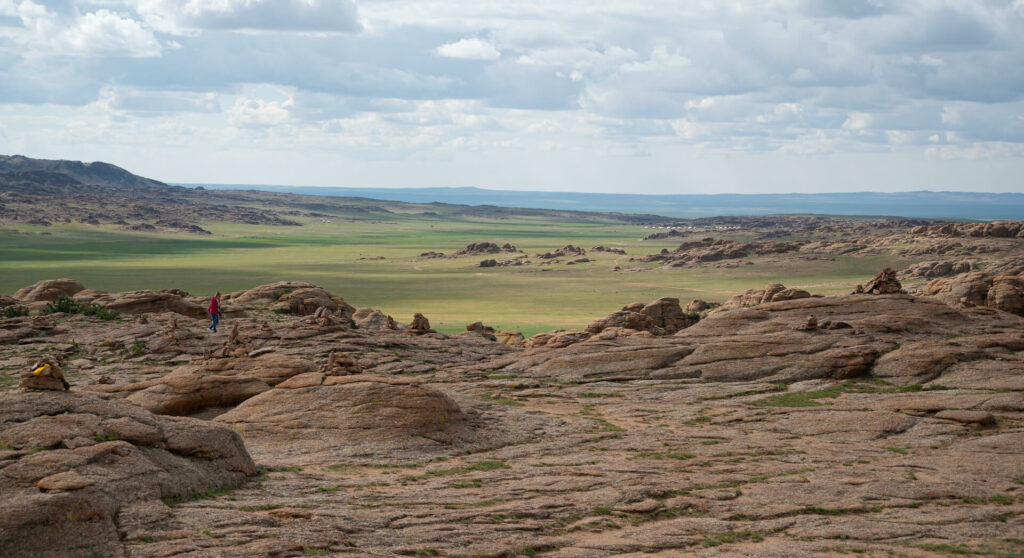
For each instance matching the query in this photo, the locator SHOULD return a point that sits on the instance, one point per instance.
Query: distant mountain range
(49, 177)
(918, 204)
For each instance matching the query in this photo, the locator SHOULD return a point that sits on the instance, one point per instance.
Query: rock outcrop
(47, 290)
(369, 318)
(775, 292)
(661, 317)
(934, 269)
(480, 329)
(44, 375)
(482, 248)
(341, 415)
(420, 325)
(307, 300)
(74, 467)
(885, 282)
(1002, 292)
(148, 302)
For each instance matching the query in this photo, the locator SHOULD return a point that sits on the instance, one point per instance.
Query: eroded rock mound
(267, 293)
(44, 375)
(340, 415)
(480, 329)
(369, 318)
(609, 250)
(997, 229)
(885, 282)
(218, 382)
(307, 300)
(1003, 292)
(933, 269)
(565, 251)
(482, 248)
(774, 292)
(147, 302)
(420, 325)
(75, 465)
(773, 342)
(48, 289)
(712, 250)
(661, 317)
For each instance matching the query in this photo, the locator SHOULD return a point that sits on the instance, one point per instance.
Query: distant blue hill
(920, 204)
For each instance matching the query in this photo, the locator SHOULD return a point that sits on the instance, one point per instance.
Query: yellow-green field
(450, 292)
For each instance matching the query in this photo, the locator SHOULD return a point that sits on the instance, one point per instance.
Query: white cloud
(649, 79)
(249, 112)
(105, 32)
(180, 16)
(469, 49)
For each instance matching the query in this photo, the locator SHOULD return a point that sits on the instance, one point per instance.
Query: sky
(633, 96)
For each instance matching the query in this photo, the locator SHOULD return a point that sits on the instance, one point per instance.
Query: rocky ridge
(780, 424)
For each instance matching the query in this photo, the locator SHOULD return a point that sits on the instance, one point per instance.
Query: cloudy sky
(676, 96)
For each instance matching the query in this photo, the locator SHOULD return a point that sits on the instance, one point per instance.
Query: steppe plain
(759, 420)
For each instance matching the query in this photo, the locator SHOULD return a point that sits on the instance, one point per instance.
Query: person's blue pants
(213, 326)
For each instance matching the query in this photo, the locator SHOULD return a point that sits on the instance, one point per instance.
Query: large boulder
(74, 466)
(667, 314)
(316, 413)
(1006, 294)
(419, 325)
(624, 319)
(885, 282)
(148, 302)
(1003, 292)
(45, 375)
(48, 289)
(267, 293)
(184, 392)
(661, 317)
(368, 318)
(774, 292)
(305, 301)
(218, 382)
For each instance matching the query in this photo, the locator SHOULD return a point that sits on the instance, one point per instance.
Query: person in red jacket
(214, 310)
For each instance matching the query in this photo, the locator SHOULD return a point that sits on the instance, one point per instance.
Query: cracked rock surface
(755, 432)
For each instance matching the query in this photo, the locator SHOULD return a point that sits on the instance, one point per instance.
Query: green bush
(15, 311)
(68, 305)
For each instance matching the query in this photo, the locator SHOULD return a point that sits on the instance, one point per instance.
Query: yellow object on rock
(39, 370)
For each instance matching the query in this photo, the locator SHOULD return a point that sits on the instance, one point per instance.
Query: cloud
(180, 16)
(259, 113)
(469, 49)
(404, 78)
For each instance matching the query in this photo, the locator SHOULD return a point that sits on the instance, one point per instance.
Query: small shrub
(138, 348)
(68, 305)
(15, 311)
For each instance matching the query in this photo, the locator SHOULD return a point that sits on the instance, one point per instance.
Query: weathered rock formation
(77, 471)
(44, 375)
(482, 248)
(885, 282)
(344, 415)
(47, 290)
(307, 300)
(934, 269)
(1003, 292)
(711, 250)
(480, 329)
(420, 325)
(369, 318)
(148, 302)
(774, 292)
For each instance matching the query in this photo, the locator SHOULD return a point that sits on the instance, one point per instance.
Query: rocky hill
(46, 192)
(779, 423)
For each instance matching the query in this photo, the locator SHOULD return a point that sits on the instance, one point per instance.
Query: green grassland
(334, 252)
